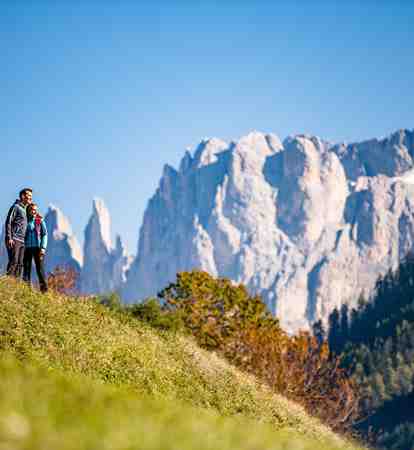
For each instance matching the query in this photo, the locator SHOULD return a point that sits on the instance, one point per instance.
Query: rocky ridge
(307, 224)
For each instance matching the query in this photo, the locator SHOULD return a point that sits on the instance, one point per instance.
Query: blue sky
(96, 96)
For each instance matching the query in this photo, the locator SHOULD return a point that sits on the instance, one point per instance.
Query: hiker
(15, 226)
(35, 246)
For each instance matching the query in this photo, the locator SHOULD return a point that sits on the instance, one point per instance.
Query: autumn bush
(302, 369)
(224, 317)
(214, 310)
(63, 280)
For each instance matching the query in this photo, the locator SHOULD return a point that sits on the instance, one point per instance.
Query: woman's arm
(43, 242)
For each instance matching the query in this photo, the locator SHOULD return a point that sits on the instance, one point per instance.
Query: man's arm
(9, 221)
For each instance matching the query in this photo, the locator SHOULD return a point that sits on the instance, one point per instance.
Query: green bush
(111, 301)
(151, 312)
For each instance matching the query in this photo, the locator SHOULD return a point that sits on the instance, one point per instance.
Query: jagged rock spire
(63, 246)
(104, 267)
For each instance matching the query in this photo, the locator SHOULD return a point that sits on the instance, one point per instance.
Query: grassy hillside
(74, 371)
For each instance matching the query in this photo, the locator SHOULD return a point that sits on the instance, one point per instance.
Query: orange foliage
(300, 368)
(63, 280)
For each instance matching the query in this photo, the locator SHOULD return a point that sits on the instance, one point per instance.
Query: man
(35, 246)
(16, 224)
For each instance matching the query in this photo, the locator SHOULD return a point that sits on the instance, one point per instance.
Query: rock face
(104, 267)
(307, 224)
(63, 248)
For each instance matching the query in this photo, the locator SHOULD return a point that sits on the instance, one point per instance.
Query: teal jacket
(36, 233)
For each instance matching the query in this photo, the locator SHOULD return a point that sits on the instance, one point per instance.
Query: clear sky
(96, 96)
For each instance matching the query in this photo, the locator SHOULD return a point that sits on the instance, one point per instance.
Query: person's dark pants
(16, 257)
(30, 254)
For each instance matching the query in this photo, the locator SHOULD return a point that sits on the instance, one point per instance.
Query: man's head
(32, 209)
(25, 196)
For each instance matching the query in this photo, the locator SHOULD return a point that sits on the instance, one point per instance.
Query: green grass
(77, 375)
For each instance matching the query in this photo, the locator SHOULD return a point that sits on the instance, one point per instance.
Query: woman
(35, 246)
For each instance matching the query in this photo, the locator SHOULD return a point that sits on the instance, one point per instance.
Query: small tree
(214, 310)
(63, 280)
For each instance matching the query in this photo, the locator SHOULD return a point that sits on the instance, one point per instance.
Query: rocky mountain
(307, 224)
(63, 247)
(104, 267)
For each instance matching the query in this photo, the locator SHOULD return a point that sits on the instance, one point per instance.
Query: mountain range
(306, 223)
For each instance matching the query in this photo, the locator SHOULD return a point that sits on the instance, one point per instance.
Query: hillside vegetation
(74, 371)
(223, 316)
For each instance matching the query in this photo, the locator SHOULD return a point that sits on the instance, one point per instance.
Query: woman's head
(32, 209)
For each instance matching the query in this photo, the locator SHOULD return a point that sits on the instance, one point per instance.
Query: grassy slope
(107, 381)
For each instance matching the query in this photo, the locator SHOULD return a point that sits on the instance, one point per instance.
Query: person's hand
(10, 243)
(42, 253)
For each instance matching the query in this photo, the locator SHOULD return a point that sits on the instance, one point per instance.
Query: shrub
(63, 280)
(111, 301)
(151, 312)
(213, 310)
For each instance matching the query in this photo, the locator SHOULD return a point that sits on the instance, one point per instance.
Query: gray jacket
(16, 222)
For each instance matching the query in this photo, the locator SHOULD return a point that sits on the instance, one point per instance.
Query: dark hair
(23, 191)
(29, 208)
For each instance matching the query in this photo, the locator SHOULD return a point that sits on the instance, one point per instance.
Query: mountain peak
(63, 246)
(207, 150)
(58, 221)
(102, 220)
(105, 267)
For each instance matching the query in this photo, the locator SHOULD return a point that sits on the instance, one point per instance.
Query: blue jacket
(36, 233)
